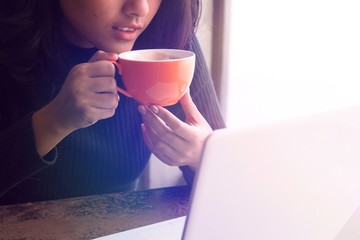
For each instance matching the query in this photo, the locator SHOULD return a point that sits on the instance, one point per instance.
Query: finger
(106, 113)
(95, 69)
(105, 100)
(163, 139)
(192, 114)
(101, 69)
(153, 139)
(150, 142)
(104, 56)
(173, 123)
(157, 129)
(146, 137)
(101, 55)
(164, 123)
(104, 85)
(161, 154)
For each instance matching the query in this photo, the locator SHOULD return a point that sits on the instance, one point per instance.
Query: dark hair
(30, 36)
(173, 26)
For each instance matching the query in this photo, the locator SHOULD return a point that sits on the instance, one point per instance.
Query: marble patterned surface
(92, 216)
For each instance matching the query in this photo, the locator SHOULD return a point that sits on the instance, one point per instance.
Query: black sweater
(105, 157)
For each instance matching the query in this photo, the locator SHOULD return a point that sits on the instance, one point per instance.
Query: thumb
(192, 113)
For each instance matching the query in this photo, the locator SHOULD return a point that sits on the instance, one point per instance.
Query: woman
(64, 130)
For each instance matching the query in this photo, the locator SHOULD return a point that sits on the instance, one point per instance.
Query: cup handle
(126, 93)
(123, 91)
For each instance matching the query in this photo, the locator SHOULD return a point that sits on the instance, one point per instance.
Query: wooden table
(92, 216)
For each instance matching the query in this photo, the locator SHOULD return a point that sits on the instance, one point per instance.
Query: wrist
(48, 131)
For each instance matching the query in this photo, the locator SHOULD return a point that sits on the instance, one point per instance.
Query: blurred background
(279, 59)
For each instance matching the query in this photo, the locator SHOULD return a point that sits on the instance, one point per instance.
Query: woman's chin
(119, 48)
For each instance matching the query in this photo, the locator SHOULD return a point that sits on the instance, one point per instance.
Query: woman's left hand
(174, 142)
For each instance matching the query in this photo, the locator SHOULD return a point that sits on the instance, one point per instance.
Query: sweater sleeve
(19, 157)
(203, 92)
(204, 96)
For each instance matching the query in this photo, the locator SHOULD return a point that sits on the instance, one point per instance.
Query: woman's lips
(127, 33)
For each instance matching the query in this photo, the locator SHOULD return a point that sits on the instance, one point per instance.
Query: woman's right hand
(88, 94)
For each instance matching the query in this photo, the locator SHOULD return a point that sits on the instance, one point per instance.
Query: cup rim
(185, 54)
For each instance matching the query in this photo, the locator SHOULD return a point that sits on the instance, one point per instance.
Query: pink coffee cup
(156, 76)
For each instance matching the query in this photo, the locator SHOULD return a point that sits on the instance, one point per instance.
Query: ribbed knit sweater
(106, 157)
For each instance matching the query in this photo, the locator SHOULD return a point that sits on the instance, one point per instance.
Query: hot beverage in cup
(156, 76)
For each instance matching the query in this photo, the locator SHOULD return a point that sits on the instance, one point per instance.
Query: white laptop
(297, 179)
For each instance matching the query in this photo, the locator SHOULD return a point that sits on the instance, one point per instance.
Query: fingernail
(154, 109)
(118, 97)
(142, 110)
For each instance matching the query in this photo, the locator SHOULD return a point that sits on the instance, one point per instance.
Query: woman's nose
(138, 8)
